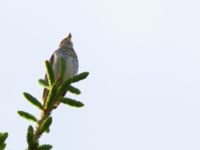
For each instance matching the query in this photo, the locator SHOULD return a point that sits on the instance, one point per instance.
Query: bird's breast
(71, 66)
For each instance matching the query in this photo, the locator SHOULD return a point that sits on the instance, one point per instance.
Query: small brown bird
(66, 51)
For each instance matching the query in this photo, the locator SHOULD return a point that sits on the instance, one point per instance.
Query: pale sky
(143, 92)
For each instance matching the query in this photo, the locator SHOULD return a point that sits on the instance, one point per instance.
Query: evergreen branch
(55, 95)
(3, 146)
(32, 144)
(33, 100)
(50, 73)
(72, 102)
(27, 116)
(3, 137)
(43, 83)
(51, 97)
(79, 77)
(74, 90)
(64, 87)
(46, 124)
(38, 133)
(30, 136)
(44, 147)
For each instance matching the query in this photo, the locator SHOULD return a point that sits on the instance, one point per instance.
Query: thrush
(66, 51)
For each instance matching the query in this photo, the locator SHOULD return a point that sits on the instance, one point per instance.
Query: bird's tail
(45, 95)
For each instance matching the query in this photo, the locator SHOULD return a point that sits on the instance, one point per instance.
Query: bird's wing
(52, 59)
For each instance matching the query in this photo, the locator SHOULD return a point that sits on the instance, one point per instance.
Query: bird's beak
(69, 37)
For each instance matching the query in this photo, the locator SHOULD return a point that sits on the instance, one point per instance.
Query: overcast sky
(143, 92)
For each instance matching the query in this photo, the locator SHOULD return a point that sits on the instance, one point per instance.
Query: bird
(65, 50)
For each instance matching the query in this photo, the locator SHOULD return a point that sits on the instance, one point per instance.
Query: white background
(143, 92)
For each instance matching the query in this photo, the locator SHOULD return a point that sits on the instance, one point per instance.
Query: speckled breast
(71, 63)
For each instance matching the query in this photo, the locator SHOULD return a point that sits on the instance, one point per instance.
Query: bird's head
(66, 42)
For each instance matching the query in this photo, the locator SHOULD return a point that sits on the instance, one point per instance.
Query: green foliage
(3, 146)
(43, 83)
(74, 90)
(55, 94)
(66, 85)
(27, 116)
(80, 76)
(33, 100)
(3, 137)
(72, 102)
(30, 137)
(51, 97)
(50, 74)
(46, 124)
(44, 147)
